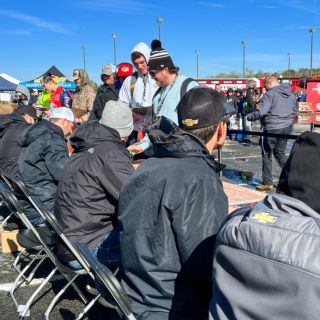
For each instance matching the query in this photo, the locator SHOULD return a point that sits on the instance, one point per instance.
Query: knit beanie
(200, 107)
(159, 58)
(300, 176)
(117, 115)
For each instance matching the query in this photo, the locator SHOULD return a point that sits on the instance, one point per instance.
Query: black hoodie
(12, 127)
(88, 194)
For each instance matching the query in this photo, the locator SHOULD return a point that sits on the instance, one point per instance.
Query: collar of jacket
(105, 87)
(92, 133)
(52, 126)
(168, 140)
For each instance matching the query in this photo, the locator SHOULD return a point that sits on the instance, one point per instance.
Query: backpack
(133, 81)
(266, 262)
(183, 89)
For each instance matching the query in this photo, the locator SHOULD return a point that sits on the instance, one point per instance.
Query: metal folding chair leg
(57, 297)
(18, 281)
(78, 291)
(4, 221)
(34, 270)
(88, 307)
(24, 254)
(26, 308)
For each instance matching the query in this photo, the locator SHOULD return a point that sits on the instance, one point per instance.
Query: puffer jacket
(169, 212)
(12, 127)
(87, 196)
(266, 262)
(42, 158)
(83, 98)
(105, 93)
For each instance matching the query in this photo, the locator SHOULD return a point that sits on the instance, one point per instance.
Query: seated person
(12, 126)
(266, 261)
(87, 196)
(43, 156)
(170, 210)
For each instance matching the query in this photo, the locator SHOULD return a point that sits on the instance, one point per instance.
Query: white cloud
(37, 22)
(125, 6)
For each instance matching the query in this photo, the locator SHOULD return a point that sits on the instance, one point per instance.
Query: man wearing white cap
(43, 157)
(106, 92)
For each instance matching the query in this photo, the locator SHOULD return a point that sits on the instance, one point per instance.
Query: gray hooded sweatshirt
(276, 109)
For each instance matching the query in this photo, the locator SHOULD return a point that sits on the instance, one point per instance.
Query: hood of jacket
(7, 120)
(283, 89)
(84, 79)
(283, 203)
(39, 129)
(91, 134)
(142, 48)
(168, 140)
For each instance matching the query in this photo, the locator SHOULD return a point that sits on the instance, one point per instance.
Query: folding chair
(32, 252)
(107, 279)
(69, 274)
(52, 221)
(122, 305)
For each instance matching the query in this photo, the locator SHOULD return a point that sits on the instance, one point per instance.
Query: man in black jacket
(11, 128)
(87, 196)
(43, 157)
(106, 92)
(170, 210)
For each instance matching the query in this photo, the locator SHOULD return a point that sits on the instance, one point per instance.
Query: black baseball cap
(200, 107)
(27, 109)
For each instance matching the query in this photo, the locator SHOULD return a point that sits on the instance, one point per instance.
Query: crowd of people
(159, 223)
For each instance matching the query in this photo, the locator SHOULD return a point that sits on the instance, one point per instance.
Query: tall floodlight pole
(244, 43)
(114, 36)
(197, 61)
(84, 56)
(289, 64)
(312, 31)
(159, 20)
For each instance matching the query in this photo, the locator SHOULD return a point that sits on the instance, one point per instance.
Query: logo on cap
(190, 122)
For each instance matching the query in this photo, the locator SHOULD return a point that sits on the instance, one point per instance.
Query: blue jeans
(107, 252)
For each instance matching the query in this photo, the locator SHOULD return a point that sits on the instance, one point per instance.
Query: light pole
(311, 53)
(84, 56)
(159, 20)
(114, 36)
(197, 57)
(244, 43)
(289, 63)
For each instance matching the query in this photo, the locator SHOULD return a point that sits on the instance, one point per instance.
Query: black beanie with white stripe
(159, 58)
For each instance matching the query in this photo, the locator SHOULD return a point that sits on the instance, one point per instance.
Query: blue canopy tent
(6, 85)
(54, 71)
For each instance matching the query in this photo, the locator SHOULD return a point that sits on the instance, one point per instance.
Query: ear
(221, 134)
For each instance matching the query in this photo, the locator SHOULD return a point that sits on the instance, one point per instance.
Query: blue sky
(38, 34)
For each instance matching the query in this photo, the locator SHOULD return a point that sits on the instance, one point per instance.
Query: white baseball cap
(62, 113)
